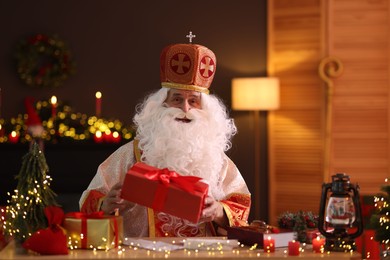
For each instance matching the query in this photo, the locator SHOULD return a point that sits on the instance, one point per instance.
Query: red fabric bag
(51, 240)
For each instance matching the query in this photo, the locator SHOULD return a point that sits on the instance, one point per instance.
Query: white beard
(188, 148)
(196, 148)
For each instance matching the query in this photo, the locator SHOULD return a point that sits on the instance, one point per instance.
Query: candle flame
(53, 100)
(98, 94)
(98, 134)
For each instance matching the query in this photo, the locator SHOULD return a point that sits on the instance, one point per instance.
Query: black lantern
(340, 218)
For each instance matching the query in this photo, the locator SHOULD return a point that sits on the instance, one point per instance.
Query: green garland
(43, 61)
(299, 222)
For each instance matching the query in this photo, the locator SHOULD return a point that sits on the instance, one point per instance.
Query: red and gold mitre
(187, 66)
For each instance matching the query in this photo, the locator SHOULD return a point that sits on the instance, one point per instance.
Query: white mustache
(180, 114)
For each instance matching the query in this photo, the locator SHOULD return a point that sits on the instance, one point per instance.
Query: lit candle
(293, 248)
(107, 136)
(13, 137)
(318, 244)
(98, 96)
(116, 138)
(53, 102)
(98, 137)
(269, 245)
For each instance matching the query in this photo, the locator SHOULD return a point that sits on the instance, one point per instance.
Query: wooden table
(128, 252)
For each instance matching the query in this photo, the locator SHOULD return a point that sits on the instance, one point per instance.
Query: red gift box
(249, 235)
(367, 245)
(166, 191)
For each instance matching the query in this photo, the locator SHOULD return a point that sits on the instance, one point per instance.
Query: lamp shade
(257, 93)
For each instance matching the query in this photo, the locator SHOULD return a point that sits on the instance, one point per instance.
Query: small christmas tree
(380, 220)
(25, 210)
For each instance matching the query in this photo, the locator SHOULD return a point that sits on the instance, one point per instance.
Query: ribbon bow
(167, 177)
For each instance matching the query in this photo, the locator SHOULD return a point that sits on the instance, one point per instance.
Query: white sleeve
(111, 171)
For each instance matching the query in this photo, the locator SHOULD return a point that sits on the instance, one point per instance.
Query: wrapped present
(166, 191)
(250, 236)
(93, 231)
(367, 245)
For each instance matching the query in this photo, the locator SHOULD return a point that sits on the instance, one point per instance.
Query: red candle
(98, 137)
(318, 244)
(1, 131)
(269, 245)
(116, 138)
(107, 136)
(53, 101)
(293, 248)
(98, 107)
(13, 137)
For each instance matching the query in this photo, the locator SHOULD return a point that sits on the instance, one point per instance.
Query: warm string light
(65, 124)
(22, 202)
(210, 251)
(155, 251)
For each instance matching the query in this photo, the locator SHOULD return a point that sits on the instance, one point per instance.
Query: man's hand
(213, 211)
(113, 201)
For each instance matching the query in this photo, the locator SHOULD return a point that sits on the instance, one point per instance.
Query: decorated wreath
(43, 61)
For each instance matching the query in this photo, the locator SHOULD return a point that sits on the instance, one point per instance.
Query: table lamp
(256, 94)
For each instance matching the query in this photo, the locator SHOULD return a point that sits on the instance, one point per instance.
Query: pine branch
(25, 212)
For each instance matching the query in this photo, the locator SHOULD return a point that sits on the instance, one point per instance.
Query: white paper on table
(192, 243)
(210, 243)
(155, 245)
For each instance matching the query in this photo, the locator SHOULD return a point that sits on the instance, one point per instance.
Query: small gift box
(93, 231)
(261, 235)
(166, 191)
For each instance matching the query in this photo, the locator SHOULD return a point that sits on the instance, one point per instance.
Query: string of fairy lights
(24, 213)
(65, 125)
(198, 249)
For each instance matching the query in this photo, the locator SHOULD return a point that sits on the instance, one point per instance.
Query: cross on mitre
(190, 36)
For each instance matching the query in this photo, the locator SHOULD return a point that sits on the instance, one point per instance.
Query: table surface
(130, 252)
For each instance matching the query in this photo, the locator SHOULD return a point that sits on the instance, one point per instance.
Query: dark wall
(116, 47)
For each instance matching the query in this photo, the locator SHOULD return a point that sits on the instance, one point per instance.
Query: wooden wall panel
(300, 34)
(295, 130)
(360, 144)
